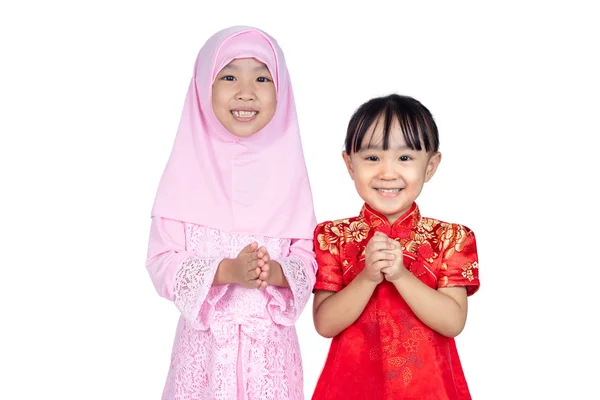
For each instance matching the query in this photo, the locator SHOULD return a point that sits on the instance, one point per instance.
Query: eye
(372, 158)
(263, 79)
(405, 158)
(228, 78)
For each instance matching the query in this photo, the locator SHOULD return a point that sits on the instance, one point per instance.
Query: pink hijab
(255, 185)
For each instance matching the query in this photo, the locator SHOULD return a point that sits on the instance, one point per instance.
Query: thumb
(250, 248)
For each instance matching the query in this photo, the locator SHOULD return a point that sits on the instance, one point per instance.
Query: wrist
(363, 279)
(226, 272)
(276, 276)
(400, 277)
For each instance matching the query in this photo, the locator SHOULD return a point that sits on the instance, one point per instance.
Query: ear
(348, 162)
(432, 164)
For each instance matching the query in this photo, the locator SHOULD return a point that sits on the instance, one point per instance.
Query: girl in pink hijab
(232, 226)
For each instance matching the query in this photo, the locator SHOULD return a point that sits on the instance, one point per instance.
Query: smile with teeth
(243, 114)
(388, 190)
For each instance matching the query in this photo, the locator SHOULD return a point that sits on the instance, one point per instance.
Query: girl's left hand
(263, 264)
(397, 270)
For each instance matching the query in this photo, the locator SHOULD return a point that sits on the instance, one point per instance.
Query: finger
(253, 274)
(262, 286)
(381, 256)
(379, 238)
(380, 265)
(379, 245)
(250, 248)
(266, 267)
(263, 276)
(386, 270)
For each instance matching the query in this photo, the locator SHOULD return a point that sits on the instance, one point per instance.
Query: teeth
(244, 114)
(389, 190)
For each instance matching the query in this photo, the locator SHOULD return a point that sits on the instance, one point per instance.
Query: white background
(90, 99)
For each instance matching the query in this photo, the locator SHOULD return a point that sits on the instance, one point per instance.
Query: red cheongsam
(388, 353)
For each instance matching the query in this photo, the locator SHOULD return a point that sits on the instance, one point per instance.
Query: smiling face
(244, 97)
(389, 180)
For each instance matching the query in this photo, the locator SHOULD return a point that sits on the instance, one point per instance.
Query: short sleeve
(459, 265)
(329, 267)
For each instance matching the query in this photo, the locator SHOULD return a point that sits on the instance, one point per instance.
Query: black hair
(416, 122)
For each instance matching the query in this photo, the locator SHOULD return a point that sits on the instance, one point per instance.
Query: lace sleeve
(299, 268)
(193, 287)
(180, 274)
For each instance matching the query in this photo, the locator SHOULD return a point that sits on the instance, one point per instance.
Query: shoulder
(448, 237)
(338, 225)
(442, 228)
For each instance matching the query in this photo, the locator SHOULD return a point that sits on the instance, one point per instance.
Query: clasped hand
(383, 259)
(251, 267)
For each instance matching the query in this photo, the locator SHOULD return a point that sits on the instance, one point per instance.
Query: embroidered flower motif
(406, 376)
(428, 223)
(451, 238)
(468, 270)
(357, 231)
(330, 239)
(411, 345)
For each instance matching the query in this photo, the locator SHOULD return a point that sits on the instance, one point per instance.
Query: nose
(245, 92)
(387, 171)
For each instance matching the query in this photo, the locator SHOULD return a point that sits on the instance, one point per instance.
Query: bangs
(415, 121)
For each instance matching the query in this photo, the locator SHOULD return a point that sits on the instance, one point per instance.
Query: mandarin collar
(400, 229)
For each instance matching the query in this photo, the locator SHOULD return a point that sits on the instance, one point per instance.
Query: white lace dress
(231, 342)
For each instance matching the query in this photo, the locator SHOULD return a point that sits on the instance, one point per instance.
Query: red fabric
(388, 353)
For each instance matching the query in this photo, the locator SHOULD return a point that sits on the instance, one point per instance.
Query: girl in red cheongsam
(392, 285)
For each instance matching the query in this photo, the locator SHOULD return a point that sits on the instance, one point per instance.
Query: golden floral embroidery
(411, 345)
(422, 234)
(406, 376)
(451, 238)
(468, 270)
(330, 239)
(397, 361)
(391, 344)
(428, 223)
(357, 231)
(390, 332)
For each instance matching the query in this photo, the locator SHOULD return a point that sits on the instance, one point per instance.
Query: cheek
(362, 176)
(269, 101)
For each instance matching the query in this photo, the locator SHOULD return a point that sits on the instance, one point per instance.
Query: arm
(177, 274)
(444, 310)
(338, 307)
(335, 311)
(276, 276)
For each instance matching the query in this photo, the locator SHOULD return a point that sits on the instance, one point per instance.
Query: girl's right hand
(246, 269)
(377, 256)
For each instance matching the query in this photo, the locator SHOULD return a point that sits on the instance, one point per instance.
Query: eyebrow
(261, 67)
(380, 147)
